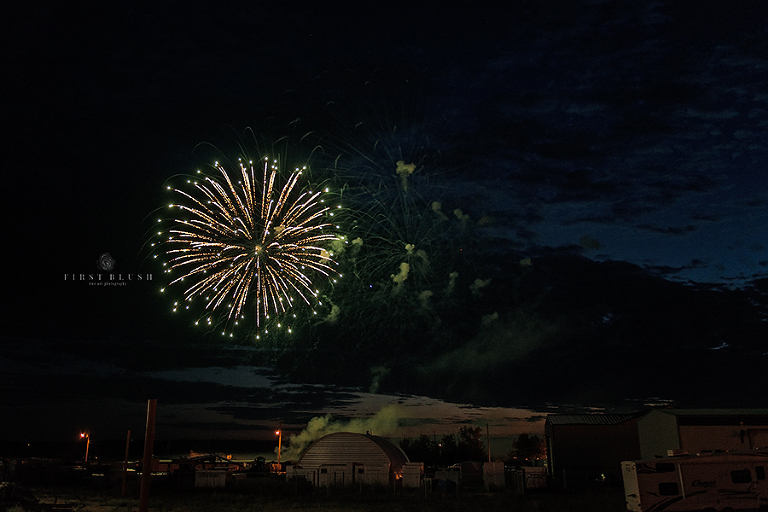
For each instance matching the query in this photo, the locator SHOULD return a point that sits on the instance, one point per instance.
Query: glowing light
(249, 243)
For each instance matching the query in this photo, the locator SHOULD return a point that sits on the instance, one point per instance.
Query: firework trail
(405, 244)
(248, 245)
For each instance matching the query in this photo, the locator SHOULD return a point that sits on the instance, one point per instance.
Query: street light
(87, 437)
(279, 434)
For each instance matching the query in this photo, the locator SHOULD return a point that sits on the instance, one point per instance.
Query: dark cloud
(708, 216)
(588, 242)
(756, 201)
(670, 230)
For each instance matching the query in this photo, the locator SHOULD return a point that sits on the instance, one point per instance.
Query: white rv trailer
(715, 481)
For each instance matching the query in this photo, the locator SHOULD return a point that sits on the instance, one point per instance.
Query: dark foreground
(363, 500)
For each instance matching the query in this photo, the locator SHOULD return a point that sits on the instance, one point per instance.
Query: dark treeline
(448, 449)
(467, 445)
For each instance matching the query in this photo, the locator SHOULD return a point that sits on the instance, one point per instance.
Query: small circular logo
(105, 262)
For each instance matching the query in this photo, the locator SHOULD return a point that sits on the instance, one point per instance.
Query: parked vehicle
(711, 482)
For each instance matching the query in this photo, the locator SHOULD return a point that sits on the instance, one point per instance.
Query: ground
(366, 500)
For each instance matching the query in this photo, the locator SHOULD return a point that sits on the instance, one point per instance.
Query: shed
(210, 478)
(344, 458)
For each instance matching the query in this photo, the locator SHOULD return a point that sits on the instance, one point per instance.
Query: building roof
(714, 412)
(715, 416)
(348, 447)
(589, 419)
(686, 416)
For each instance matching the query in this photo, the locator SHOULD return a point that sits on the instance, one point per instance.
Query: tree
(526, 449)
(451, 449)
(470, 445)
(422, 449)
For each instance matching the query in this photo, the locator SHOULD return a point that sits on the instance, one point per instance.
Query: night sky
(600, 168)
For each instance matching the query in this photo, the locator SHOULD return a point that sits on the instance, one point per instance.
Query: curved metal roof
(348, 447)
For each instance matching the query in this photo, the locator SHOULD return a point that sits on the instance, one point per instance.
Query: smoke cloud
(382, 423)
(437, 207)
(378, 373)
(333, 315)
(478, 285)
(502, 339)
(402, 275)
(489, 319)
(405, 170)
(451, 282)
(424, 298)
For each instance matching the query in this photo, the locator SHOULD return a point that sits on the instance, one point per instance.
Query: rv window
(323, 470)
(760, 472)
(665, 467)
(668, 489)
(741, 476)
(360, 471)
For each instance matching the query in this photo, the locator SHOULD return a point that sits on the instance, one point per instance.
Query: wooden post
(146, 466)
(488, 435)
(125, 464)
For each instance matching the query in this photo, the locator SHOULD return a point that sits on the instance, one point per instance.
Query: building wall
(371, 474)
(662, 430)
(334, 474)
(588, 451)
(581, 447)
(657, 433)
(212, 478)
(494, 475)
(344, 458)
(326, 475)
(413, 472)
(698, 439)
(758, 437)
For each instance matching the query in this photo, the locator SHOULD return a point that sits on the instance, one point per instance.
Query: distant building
(661, 431)
(345, 458)
(582, 447)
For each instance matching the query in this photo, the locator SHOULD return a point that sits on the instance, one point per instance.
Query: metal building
(585, 447)
(345, 458)
(664, 431)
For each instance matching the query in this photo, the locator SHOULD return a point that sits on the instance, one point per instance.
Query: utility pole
(125, 464)
(279, 444)
(87, 436)
(146, 466)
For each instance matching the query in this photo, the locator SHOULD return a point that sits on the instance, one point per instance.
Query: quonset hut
(345, 458)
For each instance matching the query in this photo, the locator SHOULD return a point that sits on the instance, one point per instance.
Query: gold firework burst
(249, 242)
